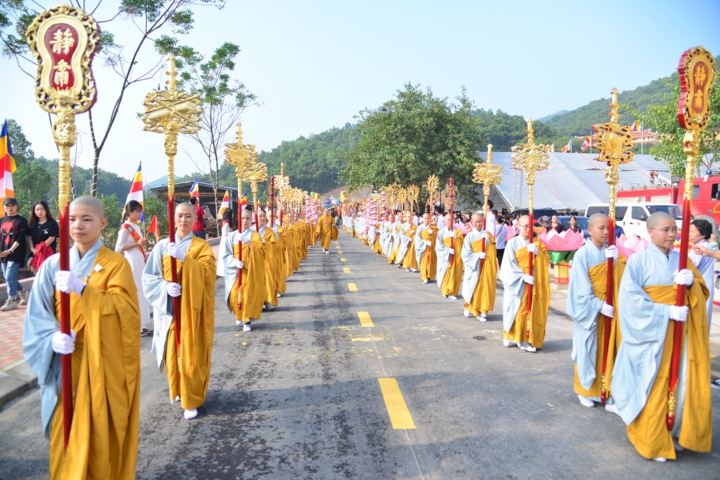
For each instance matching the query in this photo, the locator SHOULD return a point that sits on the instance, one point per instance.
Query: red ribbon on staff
(65, 360)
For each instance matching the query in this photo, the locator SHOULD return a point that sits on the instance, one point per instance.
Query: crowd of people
(629, 369)
(111, 295)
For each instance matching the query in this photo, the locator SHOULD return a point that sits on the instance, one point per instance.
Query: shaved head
(658, 218)
(476, 216)
(597, 217)
(187, 205)
(92, 202)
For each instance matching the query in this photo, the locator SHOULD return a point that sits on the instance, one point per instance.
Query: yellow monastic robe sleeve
(106, 377)
(271, 258)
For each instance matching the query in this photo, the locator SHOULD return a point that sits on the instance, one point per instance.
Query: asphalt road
(300, 395)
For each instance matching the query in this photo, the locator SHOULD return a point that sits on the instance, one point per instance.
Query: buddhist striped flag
(136, 191)
(225, 204)
(567, 147)
(195, 190)
(7, 165)
(586, 144)
(551, 148)
(243, 201)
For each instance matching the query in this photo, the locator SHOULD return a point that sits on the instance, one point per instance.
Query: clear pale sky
(315, 64)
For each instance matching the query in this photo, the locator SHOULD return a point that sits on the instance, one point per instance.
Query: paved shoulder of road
(364, 372)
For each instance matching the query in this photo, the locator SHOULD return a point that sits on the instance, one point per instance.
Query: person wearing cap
(13, 229)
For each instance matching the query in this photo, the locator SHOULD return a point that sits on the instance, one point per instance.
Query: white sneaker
(481, 318)
(414, 270)
(586, 402)
(399, 265)
(445, 296)
(238, 323)
(466, 313)
(176, 399)
(246, 327)
(612, 408)
(269, 306)
(22, 295)
(530, 349)
(280, 295)
(190, 414)
(660, 459)
(9, 305)
(452, 297)
(508, 343)
(326, 252)
(425, 282)
(408, 270)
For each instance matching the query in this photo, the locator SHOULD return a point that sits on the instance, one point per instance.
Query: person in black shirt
(42, 228)
(13, 229)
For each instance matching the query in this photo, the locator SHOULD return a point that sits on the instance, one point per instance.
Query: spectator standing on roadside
(13, 229)
(199, 227)
(42, 232)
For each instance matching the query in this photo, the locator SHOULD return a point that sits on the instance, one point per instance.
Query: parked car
(537, 212)
(632, 217)
(582, 222)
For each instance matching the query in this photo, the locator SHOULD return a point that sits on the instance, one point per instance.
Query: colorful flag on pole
(243, 200)
(136, 191)
(551, 148)
(154, 228)
(586, 144)
(195, 190)
(567, 147)
(225, 204)
(635, 127)
(7, 165)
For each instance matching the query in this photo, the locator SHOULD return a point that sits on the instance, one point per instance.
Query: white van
(632, 217)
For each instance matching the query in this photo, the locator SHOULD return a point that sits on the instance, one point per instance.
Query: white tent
(572, 180)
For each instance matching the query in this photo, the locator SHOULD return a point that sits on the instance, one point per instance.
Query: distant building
(645, 138)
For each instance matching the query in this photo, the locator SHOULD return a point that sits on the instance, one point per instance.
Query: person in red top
(199, 227)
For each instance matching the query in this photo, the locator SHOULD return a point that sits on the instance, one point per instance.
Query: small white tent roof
(573, 180)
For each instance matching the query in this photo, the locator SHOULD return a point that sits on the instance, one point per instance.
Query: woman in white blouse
(131, 243)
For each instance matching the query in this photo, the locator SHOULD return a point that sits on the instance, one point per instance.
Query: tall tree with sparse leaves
(151, 17)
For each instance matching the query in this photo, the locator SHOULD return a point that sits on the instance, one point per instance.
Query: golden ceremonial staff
(237, 155)
(413, 193)
(697, 71)
(172, 112)
(255, 173)
(530, 157)
(64, 40)
(488, 174)
(614, 144)
(431, 185)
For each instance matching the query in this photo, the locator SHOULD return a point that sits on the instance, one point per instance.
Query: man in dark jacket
(13, 230)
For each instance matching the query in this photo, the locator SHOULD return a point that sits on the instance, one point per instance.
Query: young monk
(245, 300)
(105, 348)
(196, 289)
(589, 310)
(640, 383)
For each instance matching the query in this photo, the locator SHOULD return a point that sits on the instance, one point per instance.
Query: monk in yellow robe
(324, 230)
(281, 266)
(410, 263)
(244, 295)
(188, 378)
(520, 327)
(480, 275)
(642, 371)
(425, 237)
(271, 257)
(104, 345)
(448, 247)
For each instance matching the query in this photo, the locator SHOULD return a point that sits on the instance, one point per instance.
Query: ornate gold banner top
(64, 40)
(697, 76)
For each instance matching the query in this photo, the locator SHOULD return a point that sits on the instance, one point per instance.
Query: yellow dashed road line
(365, 319)
(352, 287)
(346, 270)
(397, 408)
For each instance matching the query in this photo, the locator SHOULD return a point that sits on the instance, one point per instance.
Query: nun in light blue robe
(443, 255)
(583, 307)
(41, 324)
(420, 247)
(404, 242)
(471, 262)
(386, 237)
(155, 288)
(511, 276)
(644, 324)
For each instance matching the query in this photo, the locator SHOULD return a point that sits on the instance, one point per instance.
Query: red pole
(529, 286)
(679, 301)
(451, 227)
(173, 275)
(66, 360)
(609, 300)
(482, 243)
(239, 299)
(272, 202)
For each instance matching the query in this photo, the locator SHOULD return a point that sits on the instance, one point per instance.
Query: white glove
(452, 251)
(484, 235)
(175, 251)
(532, 248)
(481, 255)
(68, 282)
(174, 289)
(528, 279)
(451, 234)
(63, 343)
(430, 231)
(684, 277)
(236, 263)
(678, 313)
(607, 310)
(611, 252)
(428, 243)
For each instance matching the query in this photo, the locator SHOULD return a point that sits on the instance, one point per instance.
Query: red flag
(154, 229)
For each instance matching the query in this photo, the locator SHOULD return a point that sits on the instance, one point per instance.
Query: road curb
(15, 380)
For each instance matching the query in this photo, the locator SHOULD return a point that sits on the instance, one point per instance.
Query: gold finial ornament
(238, 155)
(431, 185)
(530, 157)
(488, 174)
(413, 192)
(614, 144)
(171, 112)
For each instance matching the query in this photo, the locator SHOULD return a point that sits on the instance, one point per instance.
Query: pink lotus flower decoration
(631, 245)
(567, 241)
(511, 232)
(465, 229)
